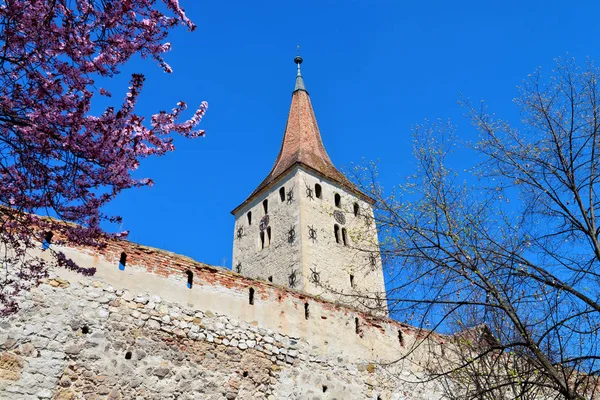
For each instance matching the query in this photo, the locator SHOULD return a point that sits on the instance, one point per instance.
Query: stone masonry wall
(300, 254)
(142, 334)
(336, 262)
(282, 256)
(89, 340)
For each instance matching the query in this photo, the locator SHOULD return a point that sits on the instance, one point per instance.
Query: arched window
(336, 232)
(262, 240)
(356, 209)
(338, 200)
(344, 237)
(123, 261)
(249, 215)
(266, 206)
(318, 191)
(47, 240)
(190, 278)
(282, 193)
(269, 235)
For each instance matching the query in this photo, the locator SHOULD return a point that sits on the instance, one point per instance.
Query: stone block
(11, 366)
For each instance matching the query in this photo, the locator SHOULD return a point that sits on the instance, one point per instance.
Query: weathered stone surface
(64, 395)
(11, 366)
(161, 372)
(313, 245)
(28, 350)
(173, 351)
(57, 282)
(73, 349)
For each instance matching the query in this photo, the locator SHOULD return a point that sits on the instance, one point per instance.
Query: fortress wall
(330, 326)
(204, 342)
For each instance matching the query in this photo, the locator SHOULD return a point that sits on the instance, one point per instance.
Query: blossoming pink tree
(57, 158)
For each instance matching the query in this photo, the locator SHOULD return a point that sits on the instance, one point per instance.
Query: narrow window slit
(356, 209)
(47, 240)
(122, 261)
(400, 338)
(269, 235)
(190, 278)
(249, 215)
(306, 311)
(338, 200)
(282, 194)
(344, 237)
(266, 206)
(351, 280)
(356, 326)
(262, 240)
(336, 231)
(251, 296)
(318, 191)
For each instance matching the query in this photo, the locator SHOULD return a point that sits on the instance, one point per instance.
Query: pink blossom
(58, 158)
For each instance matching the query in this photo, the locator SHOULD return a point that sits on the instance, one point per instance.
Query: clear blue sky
(372, 68)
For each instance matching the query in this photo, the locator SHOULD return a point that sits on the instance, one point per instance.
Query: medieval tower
(304, 317)
(306, 226)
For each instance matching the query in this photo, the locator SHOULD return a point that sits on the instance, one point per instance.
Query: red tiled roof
(302, 145)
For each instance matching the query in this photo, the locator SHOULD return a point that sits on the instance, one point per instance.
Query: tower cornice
(257, 193)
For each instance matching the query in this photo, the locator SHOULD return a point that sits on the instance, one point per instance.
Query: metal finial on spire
(299, 81)
(298, 59)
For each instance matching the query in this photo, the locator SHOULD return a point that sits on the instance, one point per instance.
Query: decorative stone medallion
(264, 222)
(339, 217)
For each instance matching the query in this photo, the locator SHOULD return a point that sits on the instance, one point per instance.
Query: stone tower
(306, 226)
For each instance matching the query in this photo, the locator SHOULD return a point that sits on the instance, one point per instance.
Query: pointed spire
(299, 81)
(302, 145)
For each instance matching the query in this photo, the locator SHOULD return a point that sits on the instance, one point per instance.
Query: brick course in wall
(168, 264)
